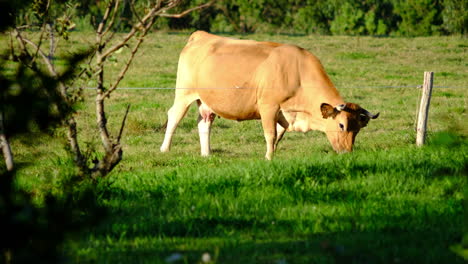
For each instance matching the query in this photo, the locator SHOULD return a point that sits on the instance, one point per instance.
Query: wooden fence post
(424, 108)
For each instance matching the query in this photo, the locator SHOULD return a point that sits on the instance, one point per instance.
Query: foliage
(34, 232)
(350, 17)
(311, 16)
(33, 229)
(455, 16)
(418, 17)
(348, 20)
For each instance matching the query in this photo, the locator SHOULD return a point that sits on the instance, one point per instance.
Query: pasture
(387, 202)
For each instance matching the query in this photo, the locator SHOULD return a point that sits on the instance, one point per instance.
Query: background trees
(337, 17)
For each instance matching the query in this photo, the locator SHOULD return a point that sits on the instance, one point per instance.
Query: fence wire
(244, 88)
(407, 129)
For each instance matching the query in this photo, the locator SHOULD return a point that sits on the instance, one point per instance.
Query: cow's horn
(340, 107)
(367, 113)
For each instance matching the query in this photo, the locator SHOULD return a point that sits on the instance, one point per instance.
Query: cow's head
(343, 123)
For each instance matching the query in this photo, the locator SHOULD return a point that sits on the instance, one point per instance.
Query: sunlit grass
(387, 202)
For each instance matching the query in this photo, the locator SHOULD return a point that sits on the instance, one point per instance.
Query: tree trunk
(5, 146)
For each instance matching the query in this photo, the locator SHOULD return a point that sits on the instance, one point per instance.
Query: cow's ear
(327, 110)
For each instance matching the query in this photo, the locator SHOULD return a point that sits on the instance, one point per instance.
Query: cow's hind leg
(174, 115)
(205, 119)
(269, 116)
(281, 127)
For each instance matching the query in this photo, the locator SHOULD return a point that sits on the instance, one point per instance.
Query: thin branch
(40, 42)
(127, 65)
(123, 124)
(12, 48)
(51, 42)
(41, 37)
(44, 56)
(112, 20)
(155, 11)
(179, 15)
(21, 42)
(23, 27)
(104, 18)
(132, 7)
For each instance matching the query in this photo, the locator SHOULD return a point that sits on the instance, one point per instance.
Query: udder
(206, 113)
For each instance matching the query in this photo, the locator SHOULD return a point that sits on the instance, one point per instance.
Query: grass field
(387, 202)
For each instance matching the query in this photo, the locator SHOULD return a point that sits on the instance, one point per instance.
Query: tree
(33, 91)
(104, 47)
(29, 100)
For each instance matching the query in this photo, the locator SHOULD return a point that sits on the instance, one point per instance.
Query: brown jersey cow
(283, 85)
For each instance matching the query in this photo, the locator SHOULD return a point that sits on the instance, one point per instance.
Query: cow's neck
(303, 111)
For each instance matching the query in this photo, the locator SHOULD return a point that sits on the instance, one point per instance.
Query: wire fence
(237, 87)
(407, 128)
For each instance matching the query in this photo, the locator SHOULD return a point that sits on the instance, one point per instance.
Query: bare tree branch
(104, 18)
(52, 43)
(132, 7)
(21, 43)
(127, 65)
(72, 133)
(44, 56)
(123, 124)
(156, 10)
(179, 15)
(41, 37)
(112, 21)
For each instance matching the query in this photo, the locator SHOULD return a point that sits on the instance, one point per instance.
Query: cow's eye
(363, 118)
(341, 127)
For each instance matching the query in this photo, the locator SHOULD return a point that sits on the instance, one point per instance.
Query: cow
(283, 85)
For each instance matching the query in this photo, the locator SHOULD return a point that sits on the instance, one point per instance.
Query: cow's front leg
(269, 116)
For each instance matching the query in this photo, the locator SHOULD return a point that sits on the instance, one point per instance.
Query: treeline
(331, 17)
(335, 17)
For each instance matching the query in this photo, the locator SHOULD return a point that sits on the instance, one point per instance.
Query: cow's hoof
(164, 149)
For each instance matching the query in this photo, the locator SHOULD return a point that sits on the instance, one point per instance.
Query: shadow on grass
(135, 235)
(399, 207)
(343, 247)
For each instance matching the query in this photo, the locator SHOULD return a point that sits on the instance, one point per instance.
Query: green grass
(387, 202)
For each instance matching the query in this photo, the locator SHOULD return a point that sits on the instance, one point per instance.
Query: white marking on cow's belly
(299, 126)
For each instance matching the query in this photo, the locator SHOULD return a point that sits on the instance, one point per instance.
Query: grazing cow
(283, 85)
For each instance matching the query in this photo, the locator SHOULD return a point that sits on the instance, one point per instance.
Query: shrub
(455, 16)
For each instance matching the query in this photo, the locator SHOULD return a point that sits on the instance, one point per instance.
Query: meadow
(387, 202)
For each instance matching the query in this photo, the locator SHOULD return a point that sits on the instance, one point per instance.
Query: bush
(339, 17)
(313, 17)
(455, 16)
(418, 17)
